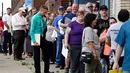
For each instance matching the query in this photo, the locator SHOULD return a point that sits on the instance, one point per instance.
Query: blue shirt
(68, 17)
(38, 26)
(55, 23)
(123, 39)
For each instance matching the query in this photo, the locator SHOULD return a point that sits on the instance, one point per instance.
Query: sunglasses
(90, 6)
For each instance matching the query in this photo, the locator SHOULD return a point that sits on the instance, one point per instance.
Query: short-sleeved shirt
(76, 32)
(102, 25)
(7, 18)
(112, 34)
(55, 23)
(67, 18)
(90, 36)
(123, 39)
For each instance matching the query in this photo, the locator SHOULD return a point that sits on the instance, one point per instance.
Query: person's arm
(5, 22)
(32, 29)
(117, 57)
(63, 25)
(108, 41)
(67, 36)
(55, 26)
(89, 38)
(108, 37)
(102, 37)
(120, 40)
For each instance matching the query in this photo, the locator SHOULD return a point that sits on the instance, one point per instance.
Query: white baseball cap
(22, 9)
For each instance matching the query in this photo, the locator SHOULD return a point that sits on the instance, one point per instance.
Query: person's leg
(37, 59)
(16, 45)
(107, 63)
(75, 52)
(103, 63)
(45, 50)
(52, 50)
(98, 67)
(58, 50)
(5, 42)
(21, 46)
(10, 44)
(90, 68)
(121, 61)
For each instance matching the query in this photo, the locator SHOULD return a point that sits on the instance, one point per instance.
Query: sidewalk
(8, 65)
(30, 64)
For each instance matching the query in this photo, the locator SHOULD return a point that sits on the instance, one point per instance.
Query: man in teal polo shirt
(38, 26)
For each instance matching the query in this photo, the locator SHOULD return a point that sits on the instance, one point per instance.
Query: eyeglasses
(90, 6)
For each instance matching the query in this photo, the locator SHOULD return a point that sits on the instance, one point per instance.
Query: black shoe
(49, 72)
(61, 67)
(21, 58)
(57, 66)
(67, 70)
(16, 59)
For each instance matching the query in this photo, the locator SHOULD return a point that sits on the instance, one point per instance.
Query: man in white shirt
(19, 25)
(113, 32)
(7, 31)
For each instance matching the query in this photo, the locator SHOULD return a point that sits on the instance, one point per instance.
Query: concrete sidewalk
(8, 65)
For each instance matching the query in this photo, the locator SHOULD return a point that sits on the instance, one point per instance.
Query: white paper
(37, 38)
(64, 51)
(54, 34)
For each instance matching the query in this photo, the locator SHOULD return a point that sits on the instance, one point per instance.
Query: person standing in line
(29, 49)
(69, 10)
(103, 24)
(59, 61)
(64, 24)
(1, 33)
(19, 24)
(113, 32)
(123, 43)
(95, 8)
(74, 31)
(49, 40)
(38, 26)
(89, 7)
(7, 32)
(90, 44)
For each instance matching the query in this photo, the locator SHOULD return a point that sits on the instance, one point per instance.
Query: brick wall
(16, 4)
(38, 3)
(119, 4)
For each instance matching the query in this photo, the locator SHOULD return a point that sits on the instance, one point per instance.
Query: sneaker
(61, 67)
(57, 66)
(67, 70)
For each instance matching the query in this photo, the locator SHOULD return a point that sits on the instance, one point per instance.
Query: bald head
(69, 9)
(75, 8)
(81, 9)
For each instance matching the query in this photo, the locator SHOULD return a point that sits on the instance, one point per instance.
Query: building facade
(117, 5)
(16, 4)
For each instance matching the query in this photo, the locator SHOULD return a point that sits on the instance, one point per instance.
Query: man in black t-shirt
(102, 20)
(103, 24)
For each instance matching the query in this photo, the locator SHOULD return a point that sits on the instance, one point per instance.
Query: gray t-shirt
(90, 36)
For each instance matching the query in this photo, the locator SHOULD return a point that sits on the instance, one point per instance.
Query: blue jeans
(103, 63)
(126, 71)
(58, 50)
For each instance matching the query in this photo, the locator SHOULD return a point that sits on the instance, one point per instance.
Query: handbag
(86, 57)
